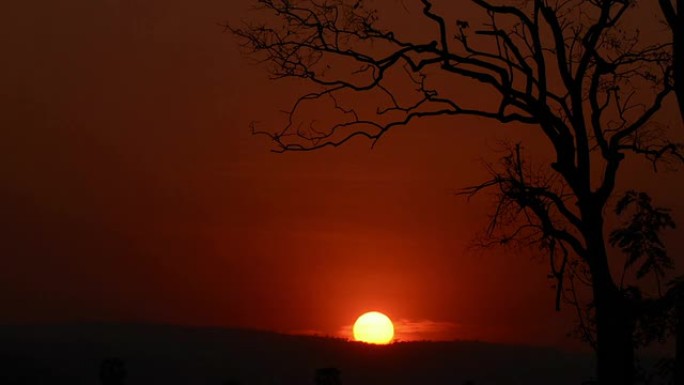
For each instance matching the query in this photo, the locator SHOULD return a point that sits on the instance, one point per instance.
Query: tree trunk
(615, 322)
(678, 57)
(614, 344)
(679, 341)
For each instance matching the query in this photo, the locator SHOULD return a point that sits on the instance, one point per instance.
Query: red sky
(132, 190)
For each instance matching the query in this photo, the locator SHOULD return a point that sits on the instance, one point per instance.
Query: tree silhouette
(574, 69)
(675, 21)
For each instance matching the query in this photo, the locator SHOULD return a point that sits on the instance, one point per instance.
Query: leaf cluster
(639, 237)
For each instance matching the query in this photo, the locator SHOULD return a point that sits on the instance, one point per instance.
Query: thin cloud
(407, 330)
(309, 332)
(421, 330)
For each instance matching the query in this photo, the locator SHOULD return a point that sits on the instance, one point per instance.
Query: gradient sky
(132, 190)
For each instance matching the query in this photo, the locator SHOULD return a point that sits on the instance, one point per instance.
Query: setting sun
(374, 328)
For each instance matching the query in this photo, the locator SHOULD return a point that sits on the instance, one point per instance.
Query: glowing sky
(132, 190)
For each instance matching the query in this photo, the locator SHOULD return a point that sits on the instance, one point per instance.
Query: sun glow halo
(374, 328)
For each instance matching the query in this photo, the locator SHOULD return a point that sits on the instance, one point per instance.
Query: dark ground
(156, 354)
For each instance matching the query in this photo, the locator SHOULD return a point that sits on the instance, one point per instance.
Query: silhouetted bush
(112, 371)
(327, 376)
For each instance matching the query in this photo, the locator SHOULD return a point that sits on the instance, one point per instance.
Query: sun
(374, 328)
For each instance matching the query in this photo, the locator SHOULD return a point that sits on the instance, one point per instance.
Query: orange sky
(131, 190)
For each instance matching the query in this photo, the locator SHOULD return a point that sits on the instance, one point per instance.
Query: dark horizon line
(295, 334)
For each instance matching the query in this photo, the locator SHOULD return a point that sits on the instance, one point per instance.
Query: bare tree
(572, 68)
(675, 21)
